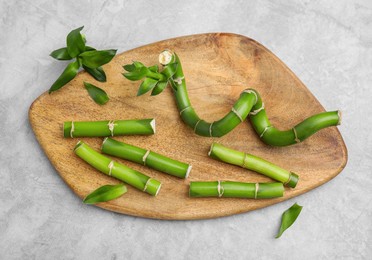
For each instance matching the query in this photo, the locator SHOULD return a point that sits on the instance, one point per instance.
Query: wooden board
(217, 68)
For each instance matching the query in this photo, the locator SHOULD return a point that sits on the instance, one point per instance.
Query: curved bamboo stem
(230, 189)
(253, 163)
(249, 105)
(108, 128)
(145, 157)
(117, 170)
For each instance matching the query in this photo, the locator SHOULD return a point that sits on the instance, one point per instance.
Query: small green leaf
(146, 86)
(289, 217)
(136, 74)
(159, 88)
(98, 95)
(75, 42)
(129, 67)
(105, 193)
(95, 59)
(67, 75)
(169, 70)
(89, 48)
(98, 73)
(61, 54)
(138, 64)
(154, 68)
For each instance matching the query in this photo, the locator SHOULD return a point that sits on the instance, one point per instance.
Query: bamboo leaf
(289, 217)
(105, 193)
(89, 48)
(129, 67)
(61, 54)
(95, 59)
(154, 68)
(138, 64)
(146, 86)
(67, 75)
(169, 70)
(159, 88)
(136, 74)
(75, 42)
(97, 94)
(98, 73)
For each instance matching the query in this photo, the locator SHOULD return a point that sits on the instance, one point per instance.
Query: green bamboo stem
(109, 128)
(117, 170)
(230, 189)
(146, 157)
(249, 104)
(254, 163)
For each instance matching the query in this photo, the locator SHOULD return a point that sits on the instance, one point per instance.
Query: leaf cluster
(85, 56)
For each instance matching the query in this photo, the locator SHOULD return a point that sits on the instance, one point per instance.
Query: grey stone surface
(328, 44)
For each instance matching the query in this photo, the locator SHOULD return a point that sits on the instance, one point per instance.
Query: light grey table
(328, 44)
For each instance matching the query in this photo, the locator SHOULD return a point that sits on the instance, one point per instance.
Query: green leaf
(67, 75)
(105, 193)
(159, 88)
(138, 64)
(289, 217)
(169, 70)
(98, 95)
(129, 67)
(61, 54)
(75, 42)
(89, 48)
(95, 59)
(136, 74)
(154, 68)
(146, 86)
(98, 73)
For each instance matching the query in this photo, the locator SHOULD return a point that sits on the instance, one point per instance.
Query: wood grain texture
(217, 68)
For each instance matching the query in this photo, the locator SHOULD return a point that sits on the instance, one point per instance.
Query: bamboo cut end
(210, 150)
(165, 57)
(78, 145)
(188, 171)
(103, 142)
(153, 125)
(339, 113)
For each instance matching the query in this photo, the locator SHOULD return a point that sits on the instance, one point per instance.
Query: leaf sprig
(105, 193)
(85, 56)
(153, 79)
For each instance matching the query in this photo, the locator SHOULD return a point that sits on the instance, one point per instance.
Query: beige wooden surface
(217, 68)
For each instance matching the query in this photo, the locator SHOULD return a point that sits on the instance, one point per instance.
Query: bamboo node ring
(220, 189)
(249, 91)
(264, 131)
(72, 129)
(111, 126)
(255, 112)
(183, 110)
(296, 137)
(196, 125)
(237, 114)
(257, 187)
(178, 80)
(145, 157)
(147, 182)
(210, 130)
(289, 178)
(245, 161)
(110, 166)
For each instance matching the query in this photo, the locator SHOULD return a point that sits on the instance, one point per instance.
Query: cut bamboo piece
(108, 128)
(117, 170)
(254, 163)
(146, 157)
(230, 189)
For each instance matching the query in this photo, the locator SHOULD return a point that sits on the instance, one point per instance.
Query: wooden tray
(217, 66)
